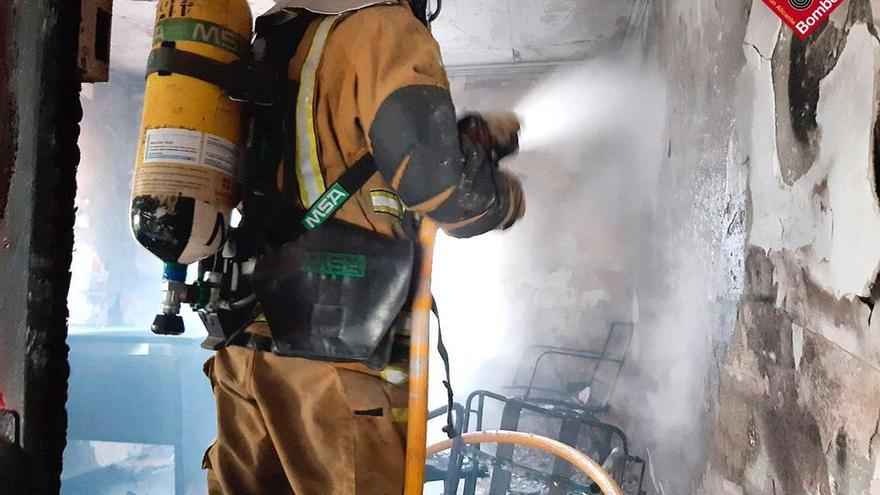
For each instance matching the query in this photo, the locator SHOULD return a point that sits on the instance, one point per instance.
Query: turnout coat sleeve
(399, 93)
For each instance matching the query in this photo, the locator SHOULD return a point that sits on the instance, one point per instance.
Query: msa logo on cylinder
(325, 207)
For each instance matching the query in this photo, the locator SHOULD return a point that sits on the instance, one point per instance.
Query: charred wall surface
(40, 112)
(794, 394)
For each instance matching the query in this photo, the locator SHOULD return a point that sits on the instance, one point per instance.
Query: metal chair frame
(574, 416)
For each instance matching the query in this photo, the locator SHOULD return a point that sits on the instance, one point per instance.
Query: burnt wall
(8, 144)
(7, 113)
(11, 456)
(39, 127)
(793, 391)
(794, 395)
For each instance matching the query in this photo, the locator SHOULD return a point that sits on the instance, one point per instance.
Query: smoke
(607, 238)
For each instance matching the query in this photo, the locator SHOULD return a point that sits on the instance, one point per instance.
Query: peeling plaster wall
(804, 352)
(820, 204)
(796, 398)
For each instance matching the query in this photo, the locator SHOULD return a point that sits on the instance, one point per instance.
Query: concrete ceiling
(471, 32)
(503, 31)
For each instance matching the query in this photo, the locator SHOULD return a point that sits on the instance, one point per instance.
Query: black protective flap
(334, 293)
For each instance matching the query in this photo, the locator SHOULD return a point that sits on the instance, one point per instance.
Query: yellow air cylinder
(192, 135)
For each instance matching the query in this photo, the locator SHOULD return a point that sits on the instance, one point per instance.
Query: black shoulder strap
(449, 429)
(280, 219)
(291, 222)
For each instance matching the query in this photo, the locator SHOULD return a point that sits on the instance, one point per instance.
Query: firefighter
(329, 417)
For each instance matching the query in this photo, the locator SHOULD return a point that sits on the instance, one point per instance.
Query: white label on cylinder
(187, 147)
(173, 146)
(220, 154)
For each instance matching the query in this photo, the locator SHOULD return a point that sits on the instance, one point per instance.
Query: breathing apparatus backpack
(328, 290)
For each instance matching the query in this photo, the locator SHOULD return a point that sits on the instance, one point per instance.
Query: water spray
(578, 103)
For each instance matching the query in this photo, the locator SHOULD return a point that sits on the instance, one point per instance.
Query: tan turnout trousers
(295, 426)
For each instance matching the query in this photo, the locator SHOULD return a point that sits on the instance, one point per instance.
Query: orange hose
(417, 427)
(577, 458)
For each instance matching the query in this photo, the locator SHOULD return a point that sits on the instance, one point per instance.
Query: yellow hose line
(417, 427)
(577, 458)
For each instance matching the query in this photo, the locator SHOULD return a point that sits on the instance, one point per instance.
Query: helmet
(330, 7)
(422, 11)
(420, 7)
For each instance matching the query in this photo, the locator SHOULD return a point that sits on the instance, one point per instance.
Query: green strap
(186, 29)
(329, 203)
(339, 193)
